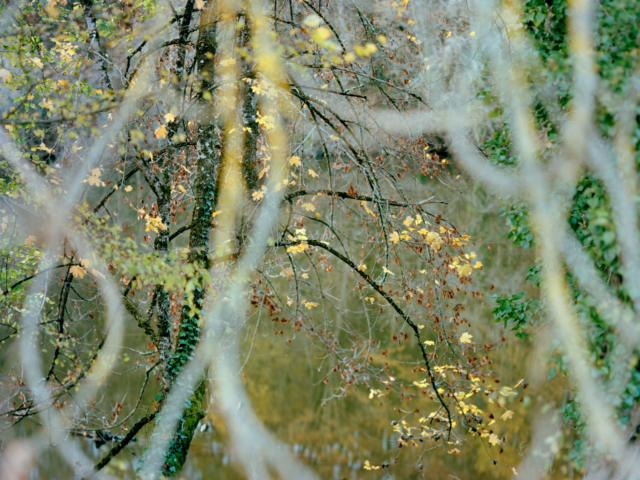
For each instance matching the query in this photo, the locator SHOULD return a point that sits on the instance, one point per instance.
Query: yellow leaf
(128, 188)
(507, 415)
(386, 270)
(382, 39)
(473, 34)
(320, 35)
(362, 268)
(95, 181)
(160, 132)
(477, 265)
(466, 337)
(169, 117)
(312, 21)
(182, 189)
(259, 194)
(408, 221)
(77, 271)
(515, 472)
(349, 57)
(295, 161)
(262, 172)
(309, 207)
(216, 213)
(494, 440)
(394, 237)
(51, 9)
(36, 61)
(312, 173)
(429, 342)
(455, 451)
(309, 305)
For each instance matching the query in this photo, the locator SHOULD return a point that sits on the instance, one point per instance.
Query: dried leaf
(77, 271)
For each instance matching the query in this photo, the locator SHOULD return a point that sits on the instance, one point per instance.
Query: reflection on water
(286, 384)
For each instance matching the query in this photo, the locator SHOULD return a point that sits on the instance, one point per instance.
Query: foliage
(515, 312)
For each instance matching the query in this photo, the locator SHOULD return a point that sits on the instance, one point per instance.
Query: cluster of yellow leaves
(400, 7)
(262, 87)
(395, 237)
(434, 240)
(267, 121)
(66, 50)
(462, 265)
(48, 104)
(365, 50)
(368, 466)
(154, 224)
(301, 236)
(227, 62)
(375, 392)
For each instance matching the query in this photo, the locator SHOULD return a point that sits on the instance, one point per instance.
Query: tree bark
(208, 150)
